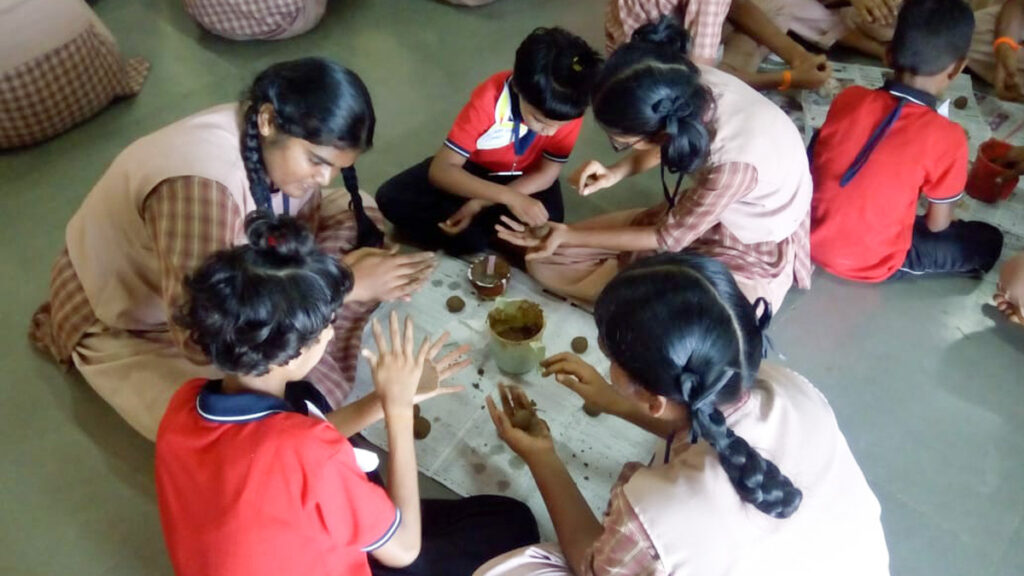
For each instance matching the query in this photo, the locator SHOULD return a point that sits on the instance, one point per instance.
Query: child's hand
(463, 217)
(881, 12)
(532, 437)
(383, 275)
(593, 176)
(442, 369)
(396, 370)
(515, 233)
(572, 372)
(811, 71)
(528, 210)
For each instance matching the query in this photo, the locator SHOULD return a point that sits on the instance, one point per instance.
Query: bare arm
(939, 216)
(575, 524)
(404, 490)
(753, 22)
(447, 172)
(538, 179)
(1010, 21)
(627, 239)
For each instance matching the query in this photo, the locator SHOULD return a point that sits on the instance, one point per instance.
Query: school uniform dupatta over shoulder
(166, 203)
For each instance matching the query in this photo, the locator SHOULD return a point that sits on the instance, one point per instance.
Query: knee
(517, 518)
(988, 237)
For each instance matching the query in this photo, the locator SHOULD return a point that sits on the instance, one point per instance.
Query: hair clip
(576, 66)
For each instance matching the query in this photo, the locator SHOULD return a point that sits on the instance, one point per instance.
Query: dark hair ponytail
(702, 362)
(554, 72)
(316, 100)
(649, 88)
(260, 304)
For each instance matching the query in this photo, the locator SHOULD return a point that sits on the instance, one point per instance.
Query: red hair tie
(271, 241)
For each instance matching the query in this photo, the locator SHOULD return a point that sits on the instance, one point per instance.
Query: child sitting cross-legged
(879, 150)
(253, 479)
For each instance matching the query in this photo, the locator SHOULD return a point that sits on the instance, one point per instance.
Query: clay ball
(522, 419)
(455, 304)
(579, 344)
(420, 428)
(591, 410)
(960, 103)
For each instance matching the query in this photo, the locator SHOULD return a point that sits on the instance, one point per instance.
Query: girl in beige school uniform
(756, 478)
(749, 208)
(174, 197)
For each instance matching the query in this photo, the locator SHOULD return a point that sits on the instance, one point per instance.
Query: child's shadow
(984, 368)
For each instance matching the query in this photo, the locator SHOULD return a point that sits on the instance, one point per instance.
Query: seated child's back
(879, 150)
(863, 229)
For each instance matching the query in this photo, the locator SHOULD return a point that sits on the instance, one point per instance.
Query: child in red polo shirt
(879, 150)
(504, 153)
(251, 477)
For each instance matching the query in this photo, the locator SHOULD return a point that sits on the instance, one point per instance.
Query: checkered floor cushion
(257, 19)
(53, 91)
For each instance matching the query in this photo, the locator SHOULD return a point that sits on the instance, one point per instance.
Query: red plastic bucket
(988, 181)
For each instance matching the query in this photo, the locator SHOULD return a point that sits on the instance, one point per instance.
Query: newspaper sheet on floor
(463, 451)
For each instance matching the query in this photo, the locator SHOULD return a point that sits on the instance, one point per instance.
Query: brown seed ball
(960, 103)
(591, 410)
(579, 344)
(455, 304)
(420, 428)
(522, 419)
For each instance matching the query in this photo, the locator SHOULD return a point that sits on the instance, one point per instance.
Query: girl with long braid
(175, 196)
(750, 203)
(756, 478)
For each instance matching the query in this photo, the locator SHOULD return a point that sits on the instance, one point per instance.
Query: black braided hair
(649, 88)
(260, 304)
(252, 158)
(680, 327)
(316, 100)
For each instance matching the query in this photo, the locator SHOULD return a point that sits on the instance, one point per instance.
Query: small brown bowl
(489, 286)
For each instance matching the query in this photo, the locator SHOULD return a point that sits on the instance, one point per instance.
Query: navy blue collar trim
(916, 96)
(519, 144)
(217, 406)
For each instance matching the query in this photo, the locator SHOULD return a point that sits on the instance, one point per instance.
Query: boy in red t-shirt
(504, 153)
(252, 479)
(879, 150)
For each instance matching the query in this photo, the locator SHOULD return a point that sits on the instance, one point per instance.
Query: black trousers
(965, 248)
(415, 206)
(461, 535)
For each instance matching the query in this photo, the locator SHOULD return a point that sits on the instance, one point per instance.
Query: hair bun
(281, 235)
(665, 33)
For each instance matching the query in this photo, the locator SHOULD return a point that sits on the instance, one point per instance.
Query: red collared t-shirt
(483, 131)
(270, 492)
(863, 231)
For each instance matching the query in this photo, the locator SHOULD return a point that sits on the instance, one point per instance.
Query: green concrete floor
(927, 384)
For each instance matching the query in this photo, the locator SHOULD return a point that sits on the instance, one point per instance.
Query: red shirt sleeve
(946, 178)
(477, 116)
(355, 511)
(559, 147)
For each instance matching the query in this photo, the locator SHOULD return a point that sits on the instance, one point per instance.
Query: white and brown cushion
(59, 65)
(257, 19)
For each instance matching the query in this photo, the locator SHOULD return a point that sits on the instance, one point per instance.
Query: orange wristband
(1006, 40)
(787, 80)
